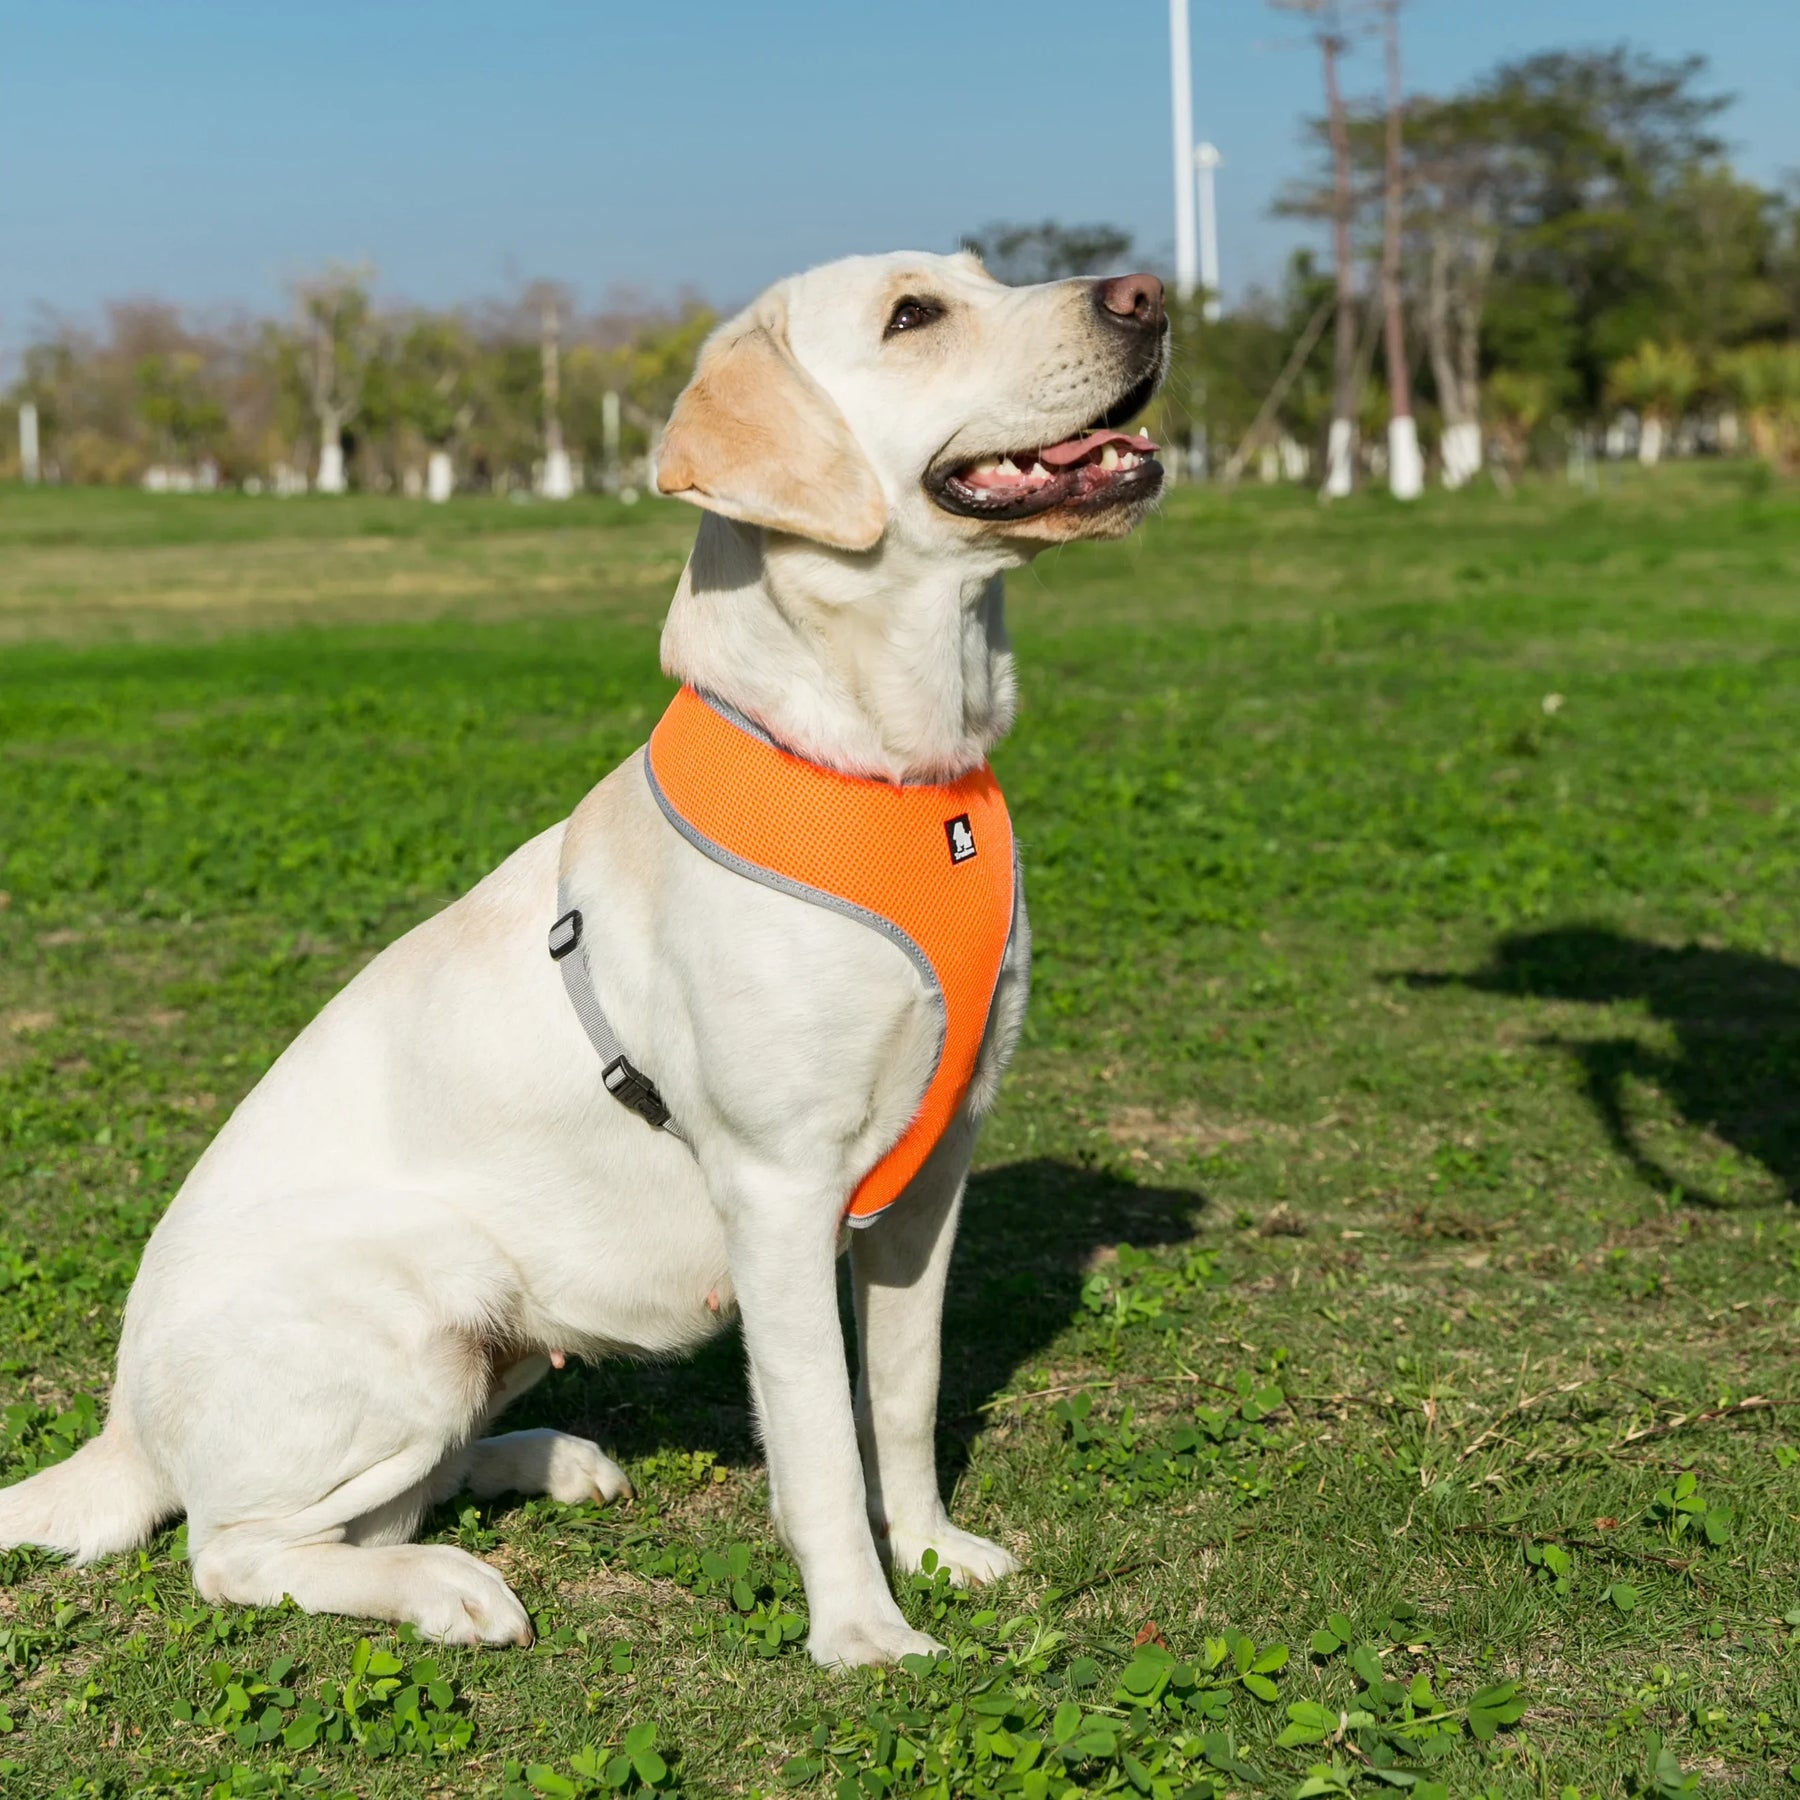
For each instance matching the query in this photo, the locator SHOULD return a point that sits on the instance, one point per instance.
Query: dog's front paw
(455, 1598)
(970, 1560)
(851, 1643)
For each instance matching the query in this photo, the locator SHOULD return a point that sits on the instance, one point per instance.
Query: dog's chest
(638, 1269)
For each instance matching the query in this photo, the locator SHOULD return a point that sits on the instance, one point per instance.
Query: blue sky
(209, 152)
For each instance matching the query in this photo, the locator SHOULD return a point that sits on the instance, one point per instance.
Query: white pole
(609, 439)
(1206, 159)
(1181, 91)
(28, 441)
(559, 473)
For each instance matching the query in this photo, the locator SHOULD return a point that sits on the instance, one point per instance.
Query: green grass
(1384, 1249)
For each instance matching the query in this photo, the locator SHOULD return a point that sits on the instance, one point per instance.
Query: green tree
(647, 371)
(1518, 402)
(1717, 259)
(1453, 147)
(1784, 253)
(186, 418)
(1658, 380)
(1764, 381)
(330, 356)
(1563, 211)
(1598, 144)
(435, 365)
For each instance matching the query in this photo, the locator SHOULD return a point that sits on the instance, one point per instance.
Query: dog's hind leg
(360, 1565)
(307, 1465)
(446, 1593)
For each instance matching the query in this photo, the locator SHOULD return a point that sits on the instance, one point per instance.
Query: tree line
(348, 392)
(1560, 252)
(1568, 255)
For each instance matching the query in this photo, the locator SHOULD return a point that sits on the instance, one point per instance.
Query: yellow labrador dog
(432, 1196)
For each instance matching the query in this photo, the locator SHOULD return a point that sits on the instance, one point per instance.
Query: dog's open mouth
(1095, 468)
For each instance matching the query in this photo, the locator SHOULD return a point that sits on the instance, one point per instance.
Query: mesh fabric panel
(884, 853)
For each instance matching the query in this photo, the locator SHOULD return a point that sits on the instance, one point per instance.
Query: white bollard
(1406, 468)
(28, 442)
(609, 441)
(1340, 454)
(559, 476)
(1462, 452)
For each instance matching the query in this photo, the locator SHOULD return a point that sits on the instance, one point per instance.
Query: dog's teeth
(1039, 472)
(986, 466)
(1130, 460)
(1109, 457)
(1007, 466)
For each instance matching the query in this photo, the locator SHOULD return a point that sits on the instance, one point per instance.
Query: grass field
(1375, 1321)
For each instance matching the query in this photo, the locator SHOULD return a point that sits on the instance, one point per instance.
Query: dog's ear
(754, 437)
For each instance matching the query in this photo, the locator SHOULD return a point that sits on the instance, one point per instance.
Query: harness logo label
(962, 838)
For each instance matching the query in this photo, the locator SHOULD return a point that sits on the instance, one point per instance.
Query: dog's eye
(911, 313)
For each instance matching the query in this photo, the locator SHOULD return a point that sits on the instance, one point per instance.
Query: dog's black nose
(1132, 299)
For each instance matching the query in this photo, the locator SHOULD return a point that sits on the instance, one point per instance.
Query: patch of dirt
(19, 1023)
(608, 1583)
(1143, 1128)
(1425, 1223)
(1656, 1231)
(703, 1503)
(1282, 1221)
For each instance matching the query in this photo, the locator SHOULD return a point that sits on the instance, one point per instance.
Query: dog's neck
(889, 665)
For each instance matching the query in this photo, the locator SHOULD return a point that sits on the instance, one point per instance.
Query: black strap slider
(565, 934)
(630, 1087)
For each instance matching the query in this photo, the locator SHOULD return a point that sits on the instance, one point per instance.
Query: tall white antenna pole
(1206, 159)
(1181, 91)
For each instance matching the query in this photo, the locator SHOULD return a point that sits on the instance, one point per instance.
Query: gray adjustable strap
(628, 1085)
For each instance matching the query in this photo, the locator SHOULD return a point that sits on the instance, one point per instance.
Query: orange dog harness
(929, 867)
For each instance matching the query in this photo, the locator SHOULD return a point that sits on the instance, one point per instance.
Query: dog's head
(914, 397)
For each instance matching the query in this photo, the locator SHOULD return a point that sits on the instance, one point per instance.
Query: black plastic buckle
(632, 1088)
(565, 934)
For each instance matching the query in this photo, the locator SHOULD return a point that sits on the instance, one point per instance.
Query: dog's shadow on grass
(1735, 1018)
(1028, 1235)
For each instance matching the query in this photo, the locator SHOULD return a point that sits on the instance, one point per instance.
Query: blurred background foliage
(1580, 257)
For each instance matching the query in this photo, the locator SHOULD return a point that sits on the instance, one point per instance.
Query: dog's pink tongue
(1075, 449)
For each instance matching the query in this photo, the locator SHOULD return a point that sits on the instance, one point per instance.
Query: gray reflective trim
(783, 884)
(1012, 931)
(743, 722)
(578, 984)
(862, 1221)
